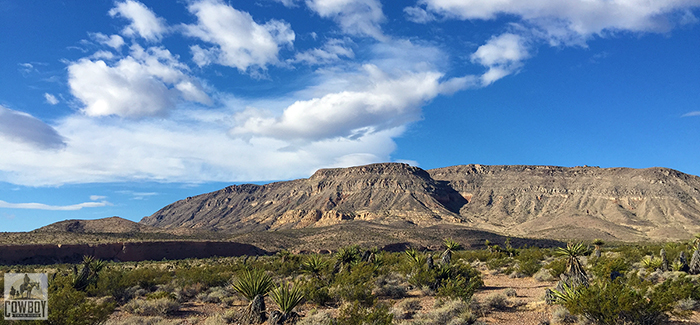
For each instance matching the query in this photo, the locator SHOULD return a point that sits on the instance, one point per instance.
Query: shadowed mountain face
(534, 201)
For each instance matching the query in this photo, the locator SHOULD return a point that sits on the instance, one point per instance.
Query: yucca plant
(89, 274)
(314, 265)
(651, 262)
(567, 295)
(416, 258)
(345, 257)
(574, 269)
(254, 286)
(287, 297)
(450, 246)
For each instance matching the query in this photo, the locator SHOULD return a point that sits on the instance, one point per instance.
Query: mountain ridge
(623, 204)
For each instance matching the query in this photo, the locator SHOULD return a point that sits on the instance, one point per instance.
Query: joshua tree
(89, 274)
(254, 286)
(450, 246)
(574, 270)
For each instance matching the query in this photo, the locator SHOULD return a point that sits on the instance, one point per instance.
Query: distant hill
(114, 225)
(531, 201)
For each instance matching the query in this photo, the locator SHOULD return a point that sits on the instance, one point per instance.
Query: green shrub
(557, 267)
(614, 302)
(252, 283)
(161, 295)
(316, 291)
(356, 313)
(607, 265)
(356, 285)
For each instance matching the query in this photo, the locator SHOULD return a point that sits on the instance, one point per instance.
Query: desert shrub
(457, 280)
(139, 320)
(393, 291)
(155, 307)
(213, 295)
(189, 291)
(115, 281)
(496, 301)
(317, 318)
(561, 315)
(356, 285)
(210, 276)
(687, 304)
(614, 302)
(316, 291)
(70, 306)
(510, 292)
(160, 295)
(497, 263)
(543, 275)
(481, 255)
(450, 312)
(556, 267)
(605, 266)
(355, 313)
(405, 309)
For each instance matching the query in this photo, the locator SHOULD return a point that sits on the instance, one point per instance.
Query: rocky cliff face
(535, 201)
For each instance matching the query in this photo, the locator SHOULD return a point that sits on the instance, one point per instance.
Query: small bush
(561, 315)
(318, 318)
(356, 314)
(543, 275)
(450, 312)
(496, 301)
(156, 307)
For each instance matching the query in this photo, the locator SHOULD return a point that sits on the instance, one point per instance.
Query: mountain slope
(535, 201)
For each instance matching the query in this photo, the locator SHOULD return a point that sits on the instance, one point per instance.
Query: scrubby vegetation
(627, 284)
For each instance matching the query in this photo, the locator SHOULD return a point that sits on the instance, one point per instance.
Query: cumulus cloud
(145, 83)
(502, 55)
(144, 22)
(41, 206)
(113, 41)
(238, 41)
(51, 99)
(355, 17)
(334, 50)
(23, 128)
(573, 21)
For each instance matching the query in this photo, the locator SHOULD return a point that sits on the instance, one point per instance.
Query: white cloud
(502, 54)
(113, 41)
(386, 102)
(572, 21)
(418, 15)
(145, 83)
(23, 128)
(144, 22)
(97, 197)
(41, 206)
(693, 113)
(51, 99)
(238, 41)
(288, 3)
(355, 17)
(334, 50)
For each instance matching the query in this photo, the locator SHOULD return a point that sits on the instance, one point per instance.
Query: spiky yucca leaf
(567, 295)
(573, 265)
(287, 297)
(452, 245)
(651, 262)
(252, 283)
(314, 265)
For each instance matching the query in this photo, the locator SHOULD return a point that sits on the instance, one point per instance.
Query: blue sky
(122, 107)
